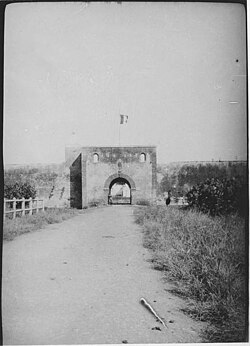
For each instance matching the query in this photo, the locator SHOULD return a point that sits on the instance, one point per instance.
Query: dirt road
(80, 282)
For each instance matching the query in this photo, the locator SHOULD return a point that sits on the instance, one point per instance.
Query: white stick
(145, 303)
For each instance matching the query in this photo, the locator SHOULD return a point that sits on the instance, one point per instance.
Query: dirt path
(80, 282)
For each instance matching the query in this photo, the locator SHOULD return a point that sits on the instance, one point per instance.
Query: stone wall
(111, 162)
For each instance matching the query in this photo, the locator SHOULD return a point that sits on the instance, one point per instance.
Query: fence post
(14, 208)
(36, 205)
(30, 206)
(23, 206)
(43, 204)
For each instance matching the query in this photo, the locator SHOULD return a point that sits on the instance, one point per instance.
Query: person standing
(168, 199)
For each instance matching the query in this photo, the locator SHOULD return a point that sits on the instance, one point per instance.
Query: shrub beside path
(80, 282)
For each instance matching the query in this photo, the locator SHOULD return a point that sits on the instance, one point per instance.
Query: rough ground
(80, 282)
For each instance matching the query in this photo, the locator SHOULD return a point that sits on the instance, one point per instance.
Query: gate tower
(95, 170)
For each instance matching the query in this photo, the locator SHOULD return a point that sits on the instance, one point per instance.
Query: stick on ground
(149, 307)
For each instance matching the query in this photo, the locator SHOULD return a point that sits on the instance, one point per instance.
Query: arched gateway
(124, 175)
(120, 187)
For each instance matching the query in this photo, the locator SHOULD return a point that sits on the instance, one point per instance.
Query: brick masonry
(90, 181)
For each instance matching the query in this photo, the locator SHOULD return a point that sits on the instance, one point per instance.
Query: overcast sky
(176, 69)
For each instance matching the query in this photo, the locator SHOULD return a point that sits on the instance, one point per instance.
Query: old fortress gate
(128, 174)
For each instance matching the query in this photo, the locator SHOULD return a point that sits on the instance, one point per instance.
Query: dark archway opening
(119, 192)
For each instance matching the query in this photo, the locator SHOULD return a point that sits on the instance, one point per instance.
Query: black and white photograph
(125, 156)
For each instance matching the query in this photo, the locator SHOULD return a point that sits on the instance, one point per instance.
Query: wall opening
(142, 157)
(95, 158)
(119, 192)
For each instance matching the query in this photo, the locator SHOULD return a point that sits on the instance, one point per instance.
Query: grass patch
(205, 258)
(30, 223)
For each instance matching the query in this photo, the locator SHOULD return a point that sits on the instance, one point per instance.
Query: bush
(205, 258)
(19, 190)
(219, 196)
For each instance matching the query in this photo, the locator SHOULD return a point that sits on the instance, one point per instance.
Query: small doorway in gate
(120, 192)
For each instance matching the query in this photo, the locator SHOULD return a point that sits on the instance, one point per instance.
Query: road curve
(80, 282)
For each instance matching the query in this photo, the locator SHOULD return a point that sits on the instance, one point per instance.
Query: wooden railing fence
(22, 206)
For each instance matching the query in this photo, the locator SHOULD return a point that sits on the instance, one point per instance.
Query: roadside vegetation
(204, 258)
(181, 177)
(43, 178)
(30, 223)
(32, 176)
(20, 188)
(220, 196)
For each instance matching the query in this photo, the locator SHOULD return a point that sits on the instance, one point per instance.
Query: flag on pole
(123, 119)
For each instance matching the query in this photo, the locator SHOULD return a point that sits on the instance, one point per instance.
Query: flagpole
(119, 133)
(119, 123)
